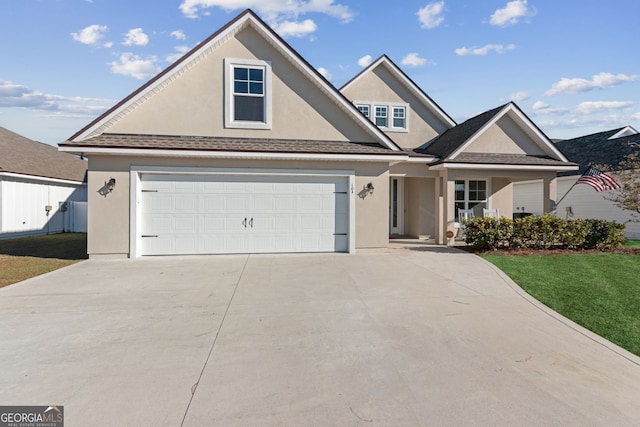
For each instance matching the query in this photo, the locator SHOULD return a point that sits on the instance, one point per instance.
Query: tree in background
(627, 173)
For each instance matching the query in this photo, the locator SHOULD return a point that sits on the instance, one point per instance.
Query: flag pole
(565, 195)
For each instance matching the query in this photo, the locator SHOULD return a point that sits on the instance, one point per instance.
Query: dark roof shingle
(23, 156)
(208, 143)
(442, 146)
(598, 149)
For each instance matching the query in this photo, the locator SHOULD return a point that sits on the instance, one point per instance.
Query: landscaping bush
(543, 232)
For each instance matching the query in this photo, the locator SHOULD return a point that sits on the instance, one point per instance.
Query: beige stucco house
(241, 146)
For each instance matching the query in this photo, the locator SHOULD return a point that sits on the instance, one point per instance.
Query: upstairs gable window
(388, 117)
(381, 118)
(247, 94)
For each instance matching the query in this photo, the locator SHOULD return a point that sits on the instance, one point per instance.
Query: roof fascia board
(191, 58)
(407, 82)
(233, 154)
(626, 131)
(156, 83)
(477, 133)
(324, 84)
(39, 178)
(484, 166)
(547, 146)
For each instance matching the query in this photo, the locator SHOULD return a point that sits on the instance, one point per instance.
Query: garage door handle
(244, 223)
(251, 222)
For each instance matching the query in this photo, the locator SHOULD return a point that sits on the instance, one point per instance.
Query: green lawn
(632, 244)
(23, 258)
(599, 291)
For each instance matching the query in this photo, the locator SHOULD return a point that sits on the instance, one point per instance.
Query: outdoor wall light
(369, 187)
(110, 184)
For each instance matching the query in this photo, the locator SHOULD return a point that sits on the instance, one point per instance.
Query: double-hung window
(387, 116)
(247, 94)
(399, 118)
(382, 116)
(470, 194)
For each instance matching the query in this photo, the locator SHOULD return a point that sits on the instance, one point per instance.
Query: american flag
(599, 180)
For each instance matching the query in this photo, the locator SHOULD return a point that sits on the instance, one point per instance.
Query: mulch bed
(552, 251)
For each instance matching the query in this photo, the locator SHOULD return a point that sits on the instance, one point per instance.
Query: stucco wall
(109, 214)
(420, 207)
(505, 136)
(381, 86)
(193, 103)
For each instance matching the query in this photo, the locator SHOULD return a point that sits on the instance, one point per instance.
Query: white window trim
(229, 122)
(390, 106)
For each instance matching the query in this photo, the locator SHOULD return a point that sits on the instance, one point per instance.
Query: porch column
(550, 193)
(439, 210)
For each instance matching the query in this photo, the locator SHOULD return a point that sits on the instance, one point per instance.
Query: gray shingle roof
(507, 159)
(23, 156)
(443, 145)
(207, 143)
(598, 149)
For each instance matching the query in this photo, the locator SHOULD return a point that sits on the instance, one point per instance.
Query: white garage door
(187, 214)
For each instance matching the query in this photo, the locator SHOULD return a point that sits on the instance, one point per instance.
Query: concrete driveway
(406, 336)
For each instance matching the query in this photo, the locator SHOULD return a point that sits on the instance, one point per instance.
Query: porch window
(470, 194)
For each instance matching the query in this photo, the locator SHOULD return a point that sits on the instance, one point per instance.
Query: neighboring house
(38, 186)
(241, 146)
(607, 148)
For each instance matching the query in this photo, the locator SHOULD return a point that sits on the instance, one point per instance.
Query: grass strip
(599, 291)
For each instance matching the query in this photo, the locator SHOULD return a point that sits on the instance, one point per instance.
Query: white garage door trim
(136, 173)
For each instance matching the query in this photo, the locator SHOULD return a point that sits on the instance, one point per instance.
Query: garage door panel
(242, 214)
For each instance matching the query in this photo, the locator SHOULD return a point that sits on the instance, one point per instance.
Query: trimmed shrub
(543, 232)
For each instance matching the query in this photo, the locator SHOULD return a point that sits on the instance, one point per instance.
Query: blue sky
(571, 65)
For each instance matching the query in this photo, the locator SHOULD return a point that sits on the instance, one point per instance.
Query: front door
(396, 206)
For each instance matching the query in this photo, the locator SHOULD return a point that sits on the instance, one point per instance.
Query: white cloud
(540, 108)
(598, 81)
(271, 10)
(636, 116)
(179, 35)
(365, 61)
(413, 59)
(511, 14)
(430, 16)
(90, 35)
(325, 73)
(16, 95)
(484, 50)
(295, 29)
(179, 52)
(136, 37)
(134, 66)
(519, 96)
(589, 107)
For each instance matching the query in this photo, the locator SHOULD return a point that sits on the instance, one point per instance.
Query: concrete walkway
(414, 336)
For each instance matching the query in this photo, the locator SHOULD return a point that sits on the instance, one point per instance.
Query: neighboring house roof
(246, 18)
(20, 155)
(385, 61)
(246, 145)
(450, 146)
(602, 148)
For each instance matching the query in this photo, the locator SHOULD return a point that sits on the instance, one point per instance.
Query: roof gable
(20, 155)
(405, 80)
(339, 105)
(502, 130)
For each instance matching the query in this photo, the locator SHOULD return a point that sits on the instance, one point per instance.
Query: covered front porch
(425, 202)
